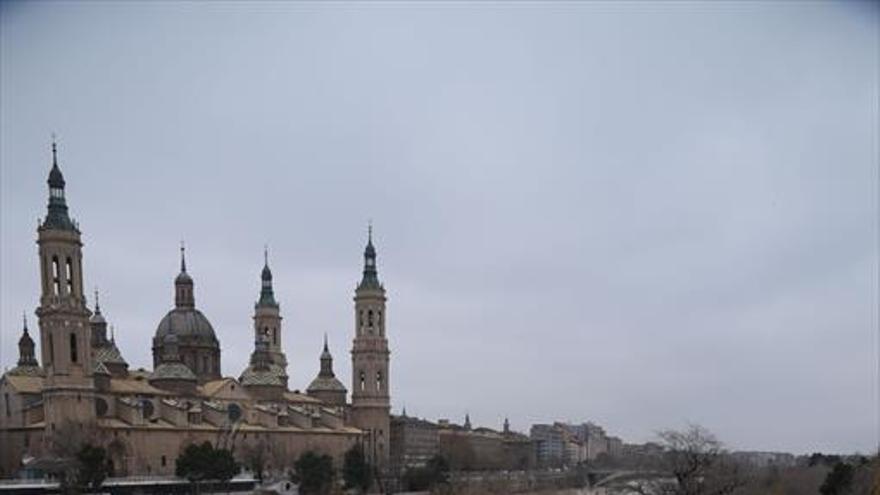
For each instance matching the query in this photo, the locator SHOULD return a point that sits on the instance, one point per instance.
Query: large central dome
(193, 341)
(186, 322)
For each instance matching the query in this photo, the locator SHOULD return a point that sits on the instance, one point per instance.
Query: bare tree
(697, 465)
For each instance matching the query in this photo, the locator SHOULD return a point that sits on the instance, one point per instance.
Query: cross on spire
(54, 151)
(182, 257)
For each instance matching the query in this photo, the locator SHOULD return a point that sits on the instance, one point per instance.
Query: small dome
(185, 322)
(326, 384)
(274, 375)
(97, 319)
(183, 278)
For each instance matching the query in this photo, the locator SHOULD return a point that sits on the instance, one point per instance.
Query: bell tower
(267, 316)
(65, 333)
(370, 397)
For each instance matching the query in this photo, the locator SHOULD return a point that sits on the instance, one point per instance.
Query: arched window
(378, 380)
(370, 318)
(363, 381)
(73, 350)
(56, 274)
(69, 274)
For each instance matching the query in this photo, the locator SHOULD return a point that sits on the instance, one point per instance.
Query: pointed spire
(184, 295)
(467, 421)
(371, 277)
(26, 356)
(403, 413)
(326, 361)
(267, 293)
(57, 217)
(97, 303)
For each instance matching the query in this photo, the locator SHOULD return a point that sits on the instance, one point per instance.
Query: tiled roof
(109, 354)
(173, 371)
(26, 384)
(134, 386)
(296, 398)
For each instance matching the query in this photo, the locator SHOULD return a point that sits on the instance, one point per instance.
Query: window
(205, 364)
(56, 273)
(163, 461)
(378, 380)
(69, 274)
(73, 350)
(361, 318)
(370, 318)
(363, 381)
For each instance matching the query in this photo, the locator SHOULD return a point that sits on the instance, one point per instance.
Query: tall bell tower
(370, 397)
(267, 316)
(65, 333)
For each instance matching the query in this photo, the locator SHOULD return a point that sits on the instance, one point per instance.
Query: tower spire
(26, 356)
(267, 293)
(184, 296)
(97, 303)
(57, 217)
(371, 277)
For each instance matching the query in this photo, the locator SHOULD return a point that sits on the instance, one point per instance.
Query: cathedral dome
(186, 323)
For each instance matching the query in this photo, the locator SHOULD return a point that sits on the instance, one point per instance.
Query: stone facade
(84, 390)
(413, 442)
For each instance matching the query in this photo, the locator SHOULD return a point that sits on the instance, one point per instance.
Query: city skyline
(563, 234)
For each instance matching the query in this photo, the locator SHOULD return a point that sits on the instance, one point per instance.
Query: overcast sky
(635, 214)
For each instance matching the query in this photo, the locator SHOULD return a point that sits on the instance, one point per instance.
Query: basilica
(81, 386)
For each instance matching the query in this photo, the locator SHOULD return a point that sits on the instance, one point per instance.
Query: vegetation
(314, 473)
(435, 473)
(91, 467)
(200, 462)
(356, 471)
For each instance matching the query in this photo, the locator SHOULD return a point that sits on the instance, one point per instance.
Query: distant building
(764, 459)
(482, 449)
(413, 442)
(550, 445)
